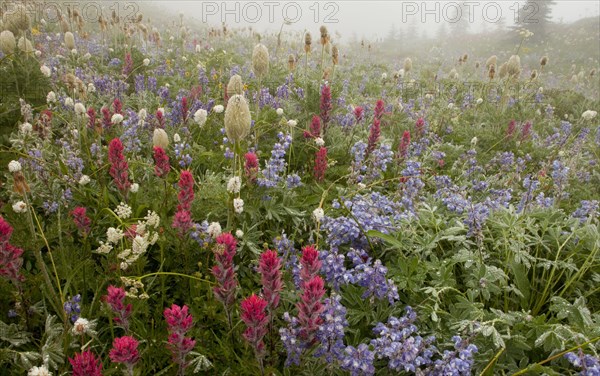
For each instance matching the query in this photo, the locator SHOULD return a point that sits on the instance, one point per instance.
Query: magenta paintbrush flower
(118, 165)
(179, 322)
(512, 126)
(526, 131)
(128, 65)
(310, 308)
(320, 164)
(118, 106)
(115, 299)
(224, 270)
(86, 364)
(269, 267)
(178, 319)
(125, 351)
(251, 166)
(310, 264)
(10, 256)
(404, 144)
(161, 162)
(183, 217)
(315, 128)
(254, 316)
(420, 126)
(184, 109)
(379, 109)
(325, 106)
(374, 135)
(358, 114)
(186, 190)
(81, 220)
(91, 118)
(106, 117)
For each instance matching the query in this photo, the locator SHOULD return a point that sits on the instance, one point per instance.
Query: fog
(373, 20)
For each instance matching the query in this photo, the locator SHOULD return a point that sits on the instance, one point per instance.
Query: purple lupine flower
(331, 331)
(372, 276)
(271, 174)
(358, 361)
(457, 362)
(73, 308)
(589, 365)
(398, 341)
(587, 209)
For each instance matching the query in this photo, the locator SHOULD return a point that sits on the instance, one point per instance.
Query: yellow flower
(245, 87)
(187, 73)
(35, 31)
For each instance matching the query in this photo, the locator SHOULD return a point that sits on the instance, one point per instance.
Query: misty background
(377, 20)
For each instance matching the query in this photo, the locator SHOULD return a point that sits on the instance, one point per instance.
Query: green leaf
(13, 335)
(385, 237)
(522, 282)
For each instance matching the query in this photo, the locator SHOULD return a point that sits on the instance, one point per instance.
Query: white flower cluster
(589, 114)
(45, 71)
(14, 166)
(84, 326)
(238, 205)
(39, 371)
(214, 229)
(114, 235)
(19, 207)
(234, 185)
(134, 286)
(318, 214)
(123, 211)
(200, 116)
(51, 97)
(143, 239)
(152, 219)
(26, 128)
(116, 119)
(80, 109)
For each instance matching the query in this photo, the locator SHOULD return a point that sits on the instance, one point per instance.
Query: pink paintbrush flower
(118, 165)
(86, 364)
(269, 267)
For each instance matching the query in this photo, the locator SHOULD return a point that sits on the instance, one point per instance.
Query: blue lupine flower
(331, 331)
(589, 365)
(72, 307)
(358, 361)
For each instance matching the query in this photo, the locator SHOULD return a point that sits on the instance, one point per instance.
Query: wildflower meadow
(180, 198)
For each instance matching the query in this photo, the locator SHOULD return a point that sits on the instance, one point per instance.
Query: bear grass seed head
(235, 85)
(408, 65)
(237, 118)
(69, 40)
(7, 42)
(17, 20)
(260, 60)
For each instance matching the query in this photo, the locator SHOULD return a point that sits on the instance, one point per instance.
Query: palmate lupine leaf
(52, 352)
(12, 334)
(199, 362)
(27, 359)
